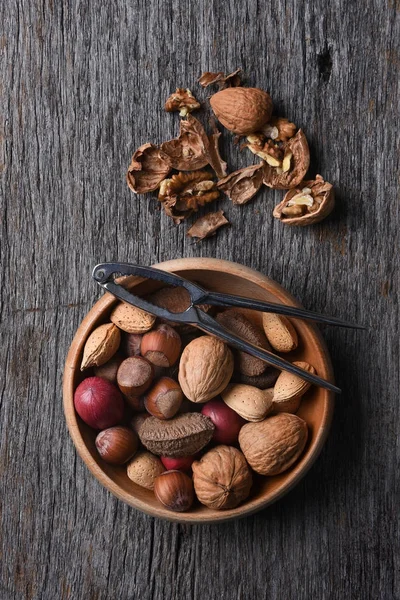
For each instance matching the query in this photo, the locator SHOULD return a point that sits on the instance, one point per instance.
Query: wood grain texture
(82, 86)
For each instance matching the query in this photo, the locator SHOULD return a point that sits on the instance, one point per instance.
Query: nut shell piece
(273, 445)
(222, 478)
(326, 202)
(147, 169)
(240, 186)
(299, 163)
(183, 435)
(249, 402)
(131, 319)
(205, 368)
(101, 345)
(242, 110)
(144, 468)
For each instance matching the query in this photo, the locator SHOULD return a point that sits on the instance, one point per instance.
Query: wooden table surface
(83, 85)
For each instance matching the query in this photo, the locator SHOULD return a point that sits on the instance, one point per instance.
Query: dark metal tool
(105, 275)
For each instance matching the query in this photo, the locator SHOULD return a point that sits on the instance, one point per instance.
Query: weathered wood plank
(83, 85)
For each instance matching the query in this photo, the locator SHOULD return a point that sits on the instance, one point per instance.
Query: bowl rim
(294, 476)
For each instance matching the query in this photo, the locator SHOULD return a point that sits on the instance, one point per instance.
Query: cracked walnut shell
(287, 167)
(243, 184)
(183, 101)
(147, 169)
(185, 192)
(222, 478)
(308, 203)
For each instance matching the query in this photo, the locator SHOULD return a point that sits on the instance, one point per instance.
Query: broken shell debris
(189, 172)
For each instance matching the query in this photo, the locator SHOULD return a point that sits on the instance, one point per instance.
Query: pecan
(308, 203)
(243, 184)
(185, 192)
(223, 81)
(147, 169)
(183, 101)
(207, 226)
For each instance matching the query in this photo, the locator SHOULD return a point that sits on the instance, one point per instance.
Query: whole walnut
(222, 478)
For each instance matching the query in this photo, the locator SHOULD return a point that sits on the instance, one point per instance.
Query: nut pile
(190, 418)
(189, 171)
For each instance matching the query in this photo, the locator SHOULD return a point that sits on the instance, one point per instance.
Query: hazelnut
(134, 376)
(161, 346)
(117, 445)
(174, 490)
(164, 398)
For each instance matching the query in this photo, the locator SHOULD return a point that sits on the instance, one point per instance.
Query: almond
(280, 332)
(247, 401)
(272, 446)
(101, 345)
(290, 388)
(144, 468)
(132, 319)
(242, 110)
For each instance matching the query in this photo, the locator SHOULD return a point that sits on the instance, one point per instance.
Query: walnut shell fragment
(222, 478)
(185, 192)
(147, 169)
(184, 435)
(207, 225)
(310, 202)
(223, 81)
(183, 101)
(193, 150)
(243, 184)
(291, 165)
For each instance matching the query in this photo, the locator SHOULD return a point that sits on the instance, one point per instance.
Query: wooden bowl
(316, 407)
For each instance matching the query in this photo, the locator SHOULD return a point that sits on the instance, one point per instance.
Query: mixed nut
(189, 172)
(188, 416)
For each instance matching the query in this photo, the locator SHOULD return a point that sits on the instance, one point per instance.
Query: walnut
(295, 160)
(207, 225)
(243, 184)
(193, 149)
(306, 204)
(147, 169)
(185, 192)
(223, 81)
(183, 101)
(205, 368)
(273, 445)
(222, 478)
